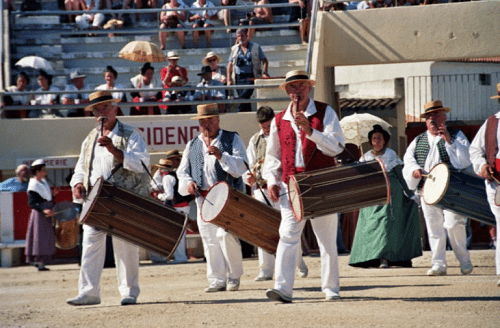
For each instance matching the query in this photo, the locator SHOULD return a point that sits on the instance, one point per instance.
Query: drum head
(436, 184)
(91, 200)
(66, 211)
(215, 201)
(295, 199)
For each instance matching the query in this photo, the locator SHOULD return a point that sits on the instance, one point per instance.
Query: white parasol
(35, 62)
(357, 126)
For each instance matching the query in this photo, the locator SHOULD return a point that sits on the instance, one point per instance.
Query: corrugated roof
(367, 104)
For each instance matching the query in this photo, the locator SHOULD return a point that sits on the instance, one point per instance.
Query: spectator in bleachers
(145, 80)
(77, 83)
(19, 182)
(167, 73)
(203, 19)
(225, 14)
(90, 21)
(219, 72)
(176, 96)
(73, 5)
(117, 21)
(206, 81)
(144, 4)
(173, 19)
(110, 75)
(45, 82)
(301, 14)
(258, 16)
(247, 61)
(22, 82)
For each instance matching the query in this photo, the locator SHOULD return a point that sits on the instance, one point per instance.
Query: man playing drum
(256, 152)
(439, 144)
(304, 137)
(117, 152)
(485, 158)
(215, 155)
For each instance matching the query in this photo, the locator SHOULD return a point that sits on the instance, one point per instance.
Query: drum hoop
(447, 182)
(387, 182)
(98, 184)
(293, 180)
(205, 199)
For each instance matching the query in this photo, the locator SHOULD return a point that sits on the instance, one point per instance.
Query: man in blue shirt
(19, 182)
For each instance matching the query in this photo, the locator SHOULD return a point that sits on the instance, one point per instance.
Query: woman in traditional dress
(40, 239)
(387, 235)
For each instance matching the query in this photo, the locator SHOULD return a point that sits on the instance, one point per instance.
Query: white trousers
(266, 260)
(490, 192)
(437, 220)
(325, 229)
(222, 251)
(93, 255)
(180, 251)
(84, 21)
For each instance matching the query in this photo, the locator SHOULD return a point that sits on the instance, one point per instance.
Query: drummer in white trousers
(304, 137)
(116, 147)
(215, 155)
(256, 152)
(439, 144)
(485, 158)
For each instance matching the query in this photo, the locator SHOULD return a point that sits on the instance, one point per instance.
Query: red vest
(491, 144)
(313, 158)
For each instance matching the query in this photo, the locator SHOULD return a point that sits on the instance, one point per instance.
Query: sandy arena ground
(172, 296)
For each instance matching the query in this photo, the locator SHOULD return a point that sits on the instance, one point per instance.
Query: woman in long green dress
(387, 235)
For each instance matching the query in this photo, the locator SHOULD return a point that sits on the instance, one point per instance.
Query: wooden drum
(338, 189)
(139, 220)
(242, 215)
(459, 192)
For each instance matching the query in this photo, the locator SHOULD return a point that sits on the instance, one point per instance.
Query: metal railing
(145, 31)
(468, 95)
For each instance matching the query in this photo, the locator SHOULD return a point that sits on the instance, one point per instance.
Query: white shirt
(211, 12)
(102, 163)
(232, 164)
(23, 100)
(71, 88)
(46, 98)
(115, 95)
(138, 83)
(168, 188)
(478, 147)
(330, 142)
(251, 153)
(389, 158)
(458, 153)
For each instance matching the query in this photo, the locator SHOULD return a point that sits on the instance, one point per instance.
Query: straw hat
(75, 75)
(172, 55)
(209, 55)
(164, 164)
(293, 76)
(178, 79)
(434, 106)
(498, 89)
(173, 154)
(99, 97)
(206, 111)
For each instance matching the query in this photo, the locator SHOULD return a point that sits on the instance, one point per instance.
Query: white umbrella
(35, 62)
(357, 126)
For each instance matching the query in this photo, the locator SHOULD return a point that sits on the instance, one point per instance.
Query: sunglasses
(212, 60)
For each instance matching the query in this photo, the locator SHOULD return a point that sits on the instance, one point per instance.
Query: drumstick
(258, 185)
(102, 118)
(204, 198)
